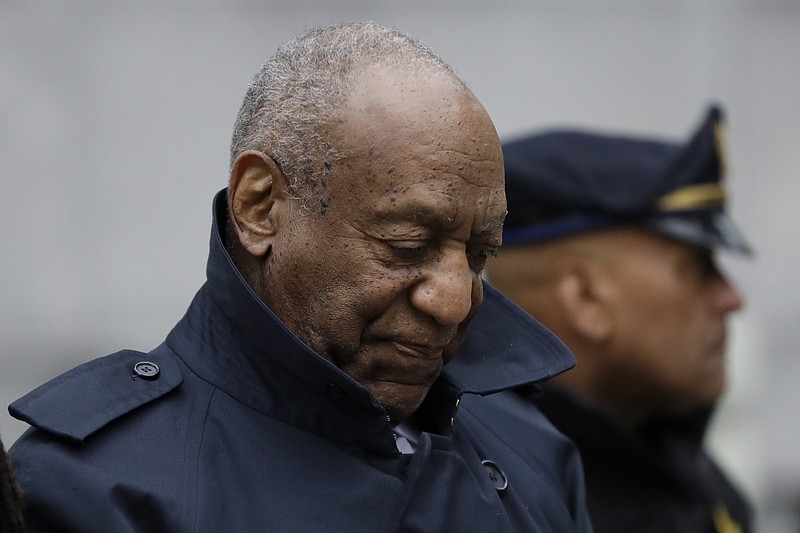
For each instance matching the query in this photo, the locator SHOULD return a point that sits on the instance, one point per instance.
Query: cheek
(644, 332)
(660, 330)
(664, 347)
(371, 298)
(362, 294)
(651, 301)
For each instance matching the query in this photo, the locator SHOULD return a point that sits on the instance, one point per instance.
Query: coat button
(146, 370)
(497, 476)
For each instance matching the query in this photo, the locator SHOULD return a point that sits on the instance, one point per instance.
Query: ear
(581, 292)
(255, 193)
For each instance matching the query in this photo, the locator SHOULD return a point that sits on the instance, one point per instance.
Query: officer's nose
(445, 289)
(726, 297)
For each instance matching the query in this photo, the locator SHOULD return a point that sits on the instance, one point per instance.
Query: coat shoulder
(82, 400)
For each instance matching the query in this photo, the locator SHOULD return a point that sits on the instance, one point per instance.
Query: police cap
(563, 182)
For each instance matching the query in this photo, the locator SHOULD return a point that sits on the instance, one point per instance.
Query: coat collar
(504, 348)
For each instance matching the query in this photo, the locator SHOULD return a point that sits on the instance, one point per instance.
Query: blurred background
(115, 120)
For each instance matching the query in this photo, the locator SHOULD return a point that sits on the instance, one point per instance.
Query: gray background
(115, 120)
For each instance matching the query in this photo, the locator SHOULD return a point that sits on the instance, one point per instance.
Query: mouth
(418, 351)
(407, 364)
(396, 372)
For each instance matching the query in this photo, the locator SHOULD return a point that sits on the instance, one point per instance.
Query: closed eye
(410, 251)
(478, 257)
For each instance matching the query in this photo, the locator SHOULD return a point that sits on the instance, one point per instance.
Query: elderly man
(610, 243)
(306, 387)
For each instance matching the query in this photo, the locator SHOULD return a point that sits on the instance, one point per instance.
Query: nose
(444, 290)
(727, 298)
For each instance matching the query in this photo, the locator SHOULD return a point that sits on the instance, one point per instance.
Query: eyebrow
(435, 218)
(494, 225)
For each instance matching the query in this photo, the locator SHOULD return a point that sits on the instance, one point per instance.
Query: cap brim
(711, 229)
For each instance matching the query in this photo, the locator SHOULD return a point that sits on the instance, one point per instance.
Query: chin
(400, 400)
(704, 400)
(400, 408)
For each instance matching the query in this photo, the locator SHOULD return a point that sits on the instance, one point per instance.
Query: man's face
(385, 281)
(669, 308)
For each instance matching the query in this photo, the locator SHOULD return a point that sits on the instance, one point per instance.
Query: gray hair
(297, 95)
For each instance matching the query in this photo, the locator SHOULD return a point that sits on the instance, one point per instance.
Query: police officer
(306, 388)
(610, 242)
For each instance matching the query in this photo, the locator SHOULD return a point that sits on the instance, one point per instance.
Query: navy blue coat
(234, 425)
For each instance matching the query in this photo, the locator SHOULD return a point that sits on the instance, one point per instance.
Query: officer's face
(669, 303)
(385, 281)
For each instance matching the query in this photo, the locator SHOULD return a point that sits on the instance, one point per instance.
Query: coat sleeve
(104, 449)
(63, 492)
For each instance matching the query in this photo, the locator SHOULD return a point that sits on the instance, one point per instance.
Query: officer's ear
(582, 291)
(256, 193)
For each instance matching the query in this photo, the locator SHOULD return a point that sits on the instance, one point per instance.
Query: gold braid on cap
(700, 195)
